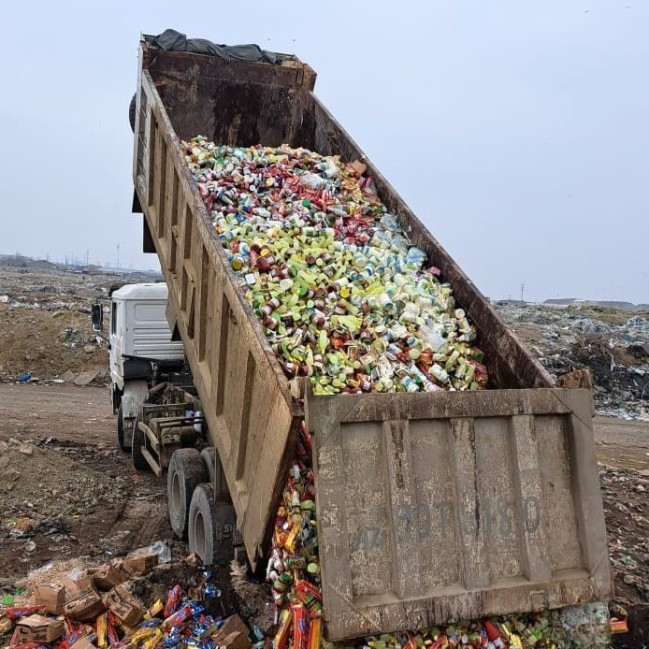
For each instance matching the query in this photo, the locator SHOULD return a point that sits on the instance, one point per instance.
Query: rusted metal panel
(433, 508)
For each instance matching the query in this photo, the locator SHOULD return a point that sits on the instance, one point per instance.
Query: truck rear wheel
(212, 527)
(186, 471)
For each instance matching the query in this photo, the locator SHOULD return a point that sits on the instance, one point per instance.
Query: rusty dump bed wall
(431, 506)
(464, 505)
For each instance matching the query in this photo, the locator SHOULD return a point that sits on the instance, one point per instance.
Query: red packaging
(177, 618)
(111, 633)
(281, 637)
(173, 599)
(300, 626)
(411, 644)
(492, 631)
(16, 612)
(308, 594)
(315, 633)
(618, 626)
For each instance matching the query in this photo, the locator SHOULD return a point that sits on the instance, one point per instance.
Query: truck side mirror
(97, 317)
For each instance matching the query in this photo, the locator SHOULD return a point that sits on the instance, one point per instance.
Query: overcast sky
(517, 130)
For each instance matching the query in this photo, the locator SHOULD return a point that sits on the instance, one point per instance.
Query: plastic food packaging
(343, 296)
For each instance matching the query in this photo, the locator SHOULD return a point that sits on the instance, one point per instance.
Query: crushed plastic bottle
(343, 296)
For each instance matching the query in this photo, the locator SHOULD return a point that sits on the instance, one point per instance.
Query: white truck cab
(140, 346)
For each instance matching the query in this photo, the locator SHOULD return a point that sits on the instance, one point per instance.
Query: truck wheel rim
(175, 493)
(199, 535)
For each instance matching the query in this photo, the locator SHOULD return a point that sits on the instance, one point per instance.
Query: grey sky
(517, 130)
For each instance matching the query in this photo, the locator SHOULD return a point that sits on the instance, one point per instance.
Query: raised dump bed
(431, 506)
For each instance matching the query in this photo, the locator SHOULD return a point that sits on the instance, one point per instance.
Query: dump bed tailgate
(433, 508)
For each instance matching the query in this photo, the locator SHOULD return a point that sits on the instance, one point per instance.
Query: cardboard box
(140, 564)
(78, 584)
(122, 603)
(110, 575)
(233, 624)
(85, 607)
(38, 628)
(52, 595)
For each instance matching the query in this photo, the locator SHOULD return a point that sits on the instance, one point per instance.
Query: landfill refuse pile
(344, 298)
(51, 485)
(117, 605)
(45, 329)
(70, 604)
(47, 499)
(613, 345)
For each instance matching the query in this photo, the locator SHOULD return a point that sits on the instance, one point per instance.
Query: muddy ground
(59, 438)
(70, 431)
(63, 476)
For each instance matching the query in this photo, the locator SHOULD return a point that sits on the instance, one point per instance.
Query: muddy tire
(120, 429)
(139, 461)
(186, 471)
(212, 528)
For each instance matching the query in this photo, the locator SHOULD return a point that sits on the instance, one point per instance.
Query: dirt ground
(100, 506)
(47, 344)
(72, 430)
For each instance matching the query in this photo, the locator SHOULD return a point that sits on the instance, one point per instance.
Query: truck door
(115, 339)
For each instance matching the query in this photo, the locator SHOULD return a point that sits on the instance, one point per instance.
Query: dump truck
(431, 506)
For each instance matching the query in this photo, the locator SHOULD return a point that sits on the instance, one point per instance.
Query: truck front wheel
(121, 429)
(139, 461)
(212, 527)
(186, 471)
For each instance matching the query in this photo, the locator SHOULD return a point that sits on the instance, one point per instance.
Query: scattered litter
(614, 347)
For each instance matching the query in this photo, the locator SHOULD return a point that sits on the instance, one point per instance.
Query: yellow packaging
(102, 631)
(154, 610)
(153, 640)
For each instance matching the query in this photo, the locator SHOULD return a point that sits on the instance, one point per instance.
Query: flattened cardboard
(38, 628)
(233, 624)
(235, 640)
(78, 585)
(83, 643)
